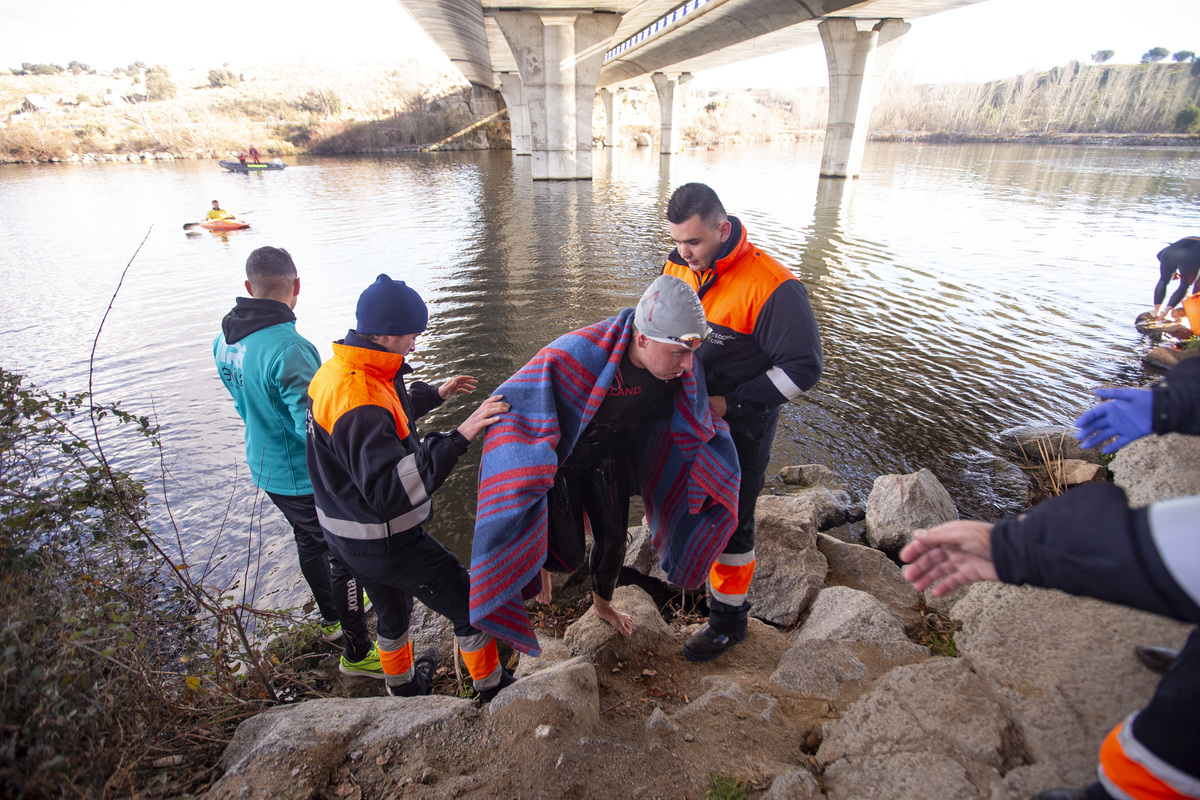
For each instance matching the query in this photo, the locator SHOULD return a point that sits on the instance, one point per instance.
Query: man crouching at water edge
(373, 477)
(601, 413)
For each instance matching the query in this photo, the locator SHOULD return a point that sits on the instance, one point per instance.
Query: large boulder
(1040, 444)
(590, 636)
(901, 503)
(847, 642)
(925, 730)
(300, 746)
(789, 569)
(868, 570)
(1158, 468)
(565, 694)
(1064, 668)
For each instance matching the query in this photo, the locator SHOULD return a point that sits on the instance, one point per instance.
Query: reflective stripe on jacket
(765, 348)
(372, 476)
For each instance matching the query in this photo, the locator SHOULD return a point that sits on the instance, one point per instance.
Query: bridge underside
(548, 60)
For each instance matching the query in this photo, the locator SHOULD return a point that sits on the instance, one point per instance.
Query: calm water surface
(960, 290)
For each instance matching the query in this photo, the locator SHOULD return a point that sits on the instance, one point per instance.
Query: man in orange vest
(764, 351)
(373, 478)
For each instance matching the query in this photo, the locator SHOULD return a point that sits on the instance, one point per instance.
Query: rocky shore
(850, 684)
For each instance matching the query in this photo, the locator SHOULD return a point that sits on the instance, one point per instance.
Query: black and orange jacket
(372, 476)
(765, 348)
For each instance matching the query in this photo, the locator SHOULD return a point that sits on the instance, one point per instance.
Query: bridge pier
(558, 55)
(857, 62)
(518, 112)
(670, 108)
(612, 116)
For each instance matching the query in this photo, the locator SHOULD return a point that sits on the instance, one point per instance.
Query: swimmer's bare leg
(607, 612)
(544, 595)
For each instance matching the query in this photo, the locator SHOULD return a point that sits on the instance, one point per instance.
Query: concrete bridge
(548, 58)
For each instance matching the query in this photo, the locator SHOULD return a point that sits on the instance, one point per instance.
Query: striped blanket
(689, 475)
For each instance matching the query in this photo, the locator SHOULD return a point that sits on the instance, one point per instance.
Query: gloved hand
(1128, 415)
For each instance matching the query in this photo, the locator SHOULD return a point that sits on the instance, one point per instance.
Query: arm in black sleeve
(425, 398)
(1176, 399)
(1089, 542)
(786, 332)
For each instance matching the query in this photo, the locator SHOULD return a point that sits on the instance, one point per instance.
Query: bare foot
(607, 612)
(544, 595)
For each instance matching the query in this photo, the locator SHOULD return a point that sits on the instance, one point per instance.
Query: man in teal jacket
(266, 366)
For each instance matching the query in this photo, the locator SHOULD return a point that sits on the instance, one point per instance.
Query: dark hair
(270, 270)
(695, 198)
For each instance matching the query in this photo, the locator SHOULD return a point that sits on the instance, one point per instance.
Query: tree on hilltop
(78, 67)
(1100, 56)
(1183, 56)
(1155, 54)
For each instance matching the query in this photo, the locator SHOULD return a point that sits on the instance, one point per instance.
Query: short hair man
(266, 366)
(765, 350)
(598, 414)
(373, 477)
(217, 212)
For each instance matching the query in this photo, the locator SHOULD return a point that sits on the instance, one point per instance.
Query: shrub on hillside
(222, 77)
(159, 85)
(1188, 119)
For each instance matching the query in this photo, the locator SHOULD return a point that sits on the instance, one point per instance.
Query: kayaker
(218, 213)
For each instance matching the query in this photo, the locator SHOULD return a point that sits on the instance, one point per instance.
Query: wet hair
(693, 199)
(270, 271)
(218, 202)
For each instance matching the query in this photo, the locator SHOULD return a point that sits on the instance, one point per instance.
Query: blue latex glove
(1128, 415)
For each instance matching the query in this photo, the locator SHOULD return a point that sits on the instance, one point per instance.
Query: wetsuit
(596, 477)
(1182, 257)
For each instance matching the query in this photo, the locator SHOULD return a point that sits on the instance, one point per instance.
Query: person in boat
(1090, 542)
(266, 366)
(765, 351)
(599, 414)
(253, 154)
(242, 159)
(1181, 258)
(373, 478)
(218, 213)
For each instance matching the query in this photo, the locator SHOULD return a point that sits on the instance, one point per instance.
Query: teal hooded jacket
(266, 366)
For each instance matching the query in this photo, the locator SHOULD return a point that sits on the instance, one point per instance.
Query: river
(960, 290)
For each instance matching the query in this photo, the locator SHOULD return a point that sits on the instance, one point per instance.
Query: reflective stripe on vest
(729, 578)
(349, 529)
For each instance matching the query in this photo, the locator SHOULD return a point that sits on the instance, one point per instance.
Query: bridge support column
(559, 56)
(518, 112)
(670, 107)
(857, 62)
(612, 116)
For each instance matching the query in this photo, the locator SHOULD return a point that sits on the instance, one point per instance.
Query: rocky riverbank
(849, 685)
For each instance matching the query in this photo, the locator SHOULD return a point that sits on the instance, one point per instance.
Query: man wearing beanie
(373, 477)
(765, 351)
(601, 413)
(266, 366)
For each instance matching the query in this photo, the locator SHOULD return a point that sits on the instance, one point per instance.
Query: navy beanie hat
(391, 308)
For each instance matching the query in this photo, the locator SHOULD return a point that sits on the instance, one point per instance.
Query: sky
(991, 39)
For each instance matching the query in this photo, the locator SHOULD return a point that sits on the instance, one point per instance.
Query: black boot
(1156, 659)
(423, 669)
(506, 679)
(726, 627)
(1062, 794)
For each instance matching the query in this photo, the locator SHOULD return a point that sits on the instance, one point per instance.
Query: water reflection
(960, 290)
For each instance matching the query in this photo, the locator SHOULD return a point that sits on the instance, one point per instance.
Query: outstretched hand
(951, 555)
(460, 384)
(1127, 416)
(489, 412)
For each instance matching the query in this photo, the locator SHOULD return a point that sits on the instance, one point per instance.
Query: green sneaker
(330, 631)
(366, 602)
(368, 667)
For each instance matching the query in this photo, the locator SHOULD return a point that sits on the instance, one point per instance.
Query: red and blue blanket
(689, 475)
